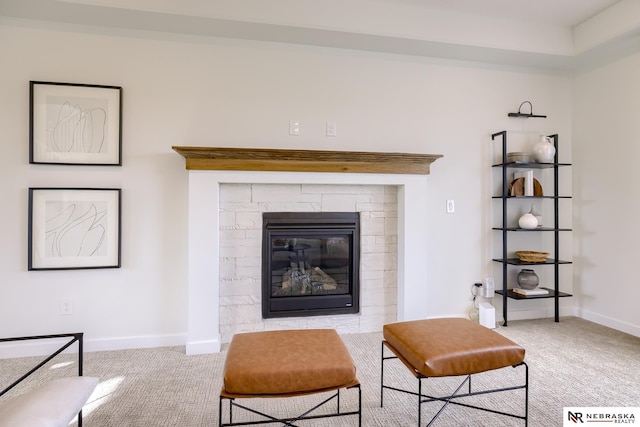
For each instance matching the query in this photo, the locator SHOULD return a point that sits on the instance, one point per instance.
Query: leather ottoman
(450, 347)
(277, 364)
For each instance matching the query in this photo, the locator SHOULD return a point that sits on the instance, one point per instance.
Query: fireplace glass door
(310, 264)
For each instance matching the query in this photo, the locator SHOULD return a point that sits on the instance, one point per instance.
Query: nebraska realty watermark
(602, 415)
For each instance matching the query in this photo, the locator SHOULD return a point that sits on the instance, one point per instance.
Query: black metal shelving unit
(505, 229)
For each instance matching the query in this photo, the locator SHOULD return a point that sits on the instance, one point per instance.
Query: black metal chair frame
(74, 337)
(424, 398)
(290, 421)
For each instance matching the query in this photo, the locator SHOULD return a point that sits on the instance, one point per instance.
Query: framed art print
(74, 228)
(75, 124)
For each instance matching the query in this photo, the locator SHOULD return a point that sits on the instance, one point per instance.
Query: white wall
(606, 204)
(219, 92)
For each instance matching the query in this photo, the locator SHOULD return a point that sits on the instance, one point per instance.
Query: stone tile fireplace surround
(230, 188)
(240, 211)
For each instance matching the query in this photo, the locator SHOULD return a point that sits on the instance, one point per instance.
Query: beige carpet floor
(571, 363)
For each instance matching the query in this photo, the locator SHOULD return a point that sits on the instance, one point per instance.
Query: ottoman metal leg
(453, 347)
(450, 399)
(289, 421)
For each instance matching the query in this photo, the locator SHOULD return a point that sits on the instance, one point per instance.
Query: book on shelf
(530, 292)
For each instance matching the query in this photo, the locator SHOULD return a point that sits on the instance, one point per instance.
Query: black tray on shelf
(551, 294)
(532, 229)
(516, 261)
(548, 261)
(529, 165)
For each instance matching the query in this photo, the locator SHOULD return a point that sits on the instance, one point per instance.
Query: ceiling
(557, 36)
(567, 13)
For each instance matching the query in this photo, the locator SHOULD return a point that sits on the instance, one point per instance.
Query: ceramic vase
(537, 214)
(544, 151)
(528, 279)
(528, 221)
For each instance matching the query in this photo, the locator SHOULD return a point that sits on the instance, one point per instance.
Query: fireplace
(210, 169)
(310, 263)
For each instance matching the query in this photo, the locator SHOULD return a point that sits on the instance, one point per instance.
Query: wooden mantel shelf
(256, 159)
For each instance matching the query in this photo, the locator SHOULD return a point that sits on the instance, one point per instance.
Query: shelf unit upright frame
(505, 261)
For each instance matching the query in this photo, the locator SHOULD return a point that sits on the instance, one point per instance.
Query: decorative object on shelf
(518, 156)
(526, 115)
(543, 150)
(528, 279)
(516, 188)
(537, 214)
(532, 256)
(528, 221)
(531, 292)
(75, 124)
(528, 183)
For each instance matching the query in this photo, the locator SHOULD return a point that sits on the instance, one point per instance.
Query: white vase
(528, 221)
(535, 213)
(543, 150)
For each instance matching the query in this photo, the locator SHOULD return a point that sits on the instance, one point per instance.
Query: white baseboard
(609, 322)
(572, 311)
(46, 347)
(203, 347)
(128, 343)
(41, 348)
(532, 313)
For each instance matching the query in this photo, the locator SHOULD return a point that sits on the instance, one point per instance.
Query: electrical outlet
(294, 127)
(332, 129)
(66, 307)
(451, 206)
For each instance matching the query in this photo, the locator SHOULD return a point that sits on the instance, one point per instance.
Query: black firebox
(310, 263)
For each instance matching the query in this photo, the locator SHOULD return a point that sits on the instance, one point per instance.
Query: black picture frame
(75, 124)
(74, 228)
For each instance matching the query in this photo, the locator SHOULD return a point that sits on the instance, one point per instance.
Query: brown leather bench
(451, 347)
(277, 364)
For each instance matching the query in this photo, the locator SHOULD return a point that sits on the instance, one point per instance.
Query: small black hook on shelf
(526, 115)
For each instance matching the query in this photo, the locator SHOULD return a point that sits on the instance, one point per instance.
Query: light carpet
(571, 363)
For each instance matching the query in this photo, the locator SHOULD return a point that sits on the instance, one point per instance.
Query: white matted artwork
(75, 124)
(74, 228)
